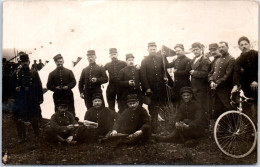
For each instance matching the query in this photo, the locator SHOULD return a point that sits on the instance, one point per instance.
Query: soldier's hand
(137, 66)
(113, 133)
(82, 95)
(58, 87)
(18, 89)
(177, 125)
(69, 139)
(94, 80)
(254, 86)
(65, 87)
(131, 83)
(137, 133)
(234, 89)
(165, 80)
(70, 126)
(191, 72)
(213, 85)
(10, 101)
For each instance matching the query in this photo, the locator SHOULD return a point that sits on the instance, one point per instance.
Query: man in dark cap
(129, 81)
(99, 119)
(61, 81)
(246, 74)
(91, 79)
(181, 71)
(154, 80)
(113, 68)
(199, 77)
(220, 79)
(34, 66)
(213, 53)
(27, 95)
(188, 125)
(63, 126)
(134, 121)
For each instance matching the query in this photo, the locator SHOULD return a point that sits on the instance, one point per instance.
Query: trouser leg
(21, 129)
(111, 96)
(35, 126)
(153, 111)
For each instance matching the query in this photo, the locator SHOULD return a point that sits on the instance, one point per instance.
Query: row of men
(152, 77)
(37, 66)
(132, 126)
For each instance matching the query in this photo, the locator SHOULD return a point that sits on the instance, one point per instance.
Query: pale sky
(126, 25)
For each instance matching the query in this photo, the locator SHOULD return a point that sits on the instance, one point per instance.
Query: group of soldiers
(200, 85)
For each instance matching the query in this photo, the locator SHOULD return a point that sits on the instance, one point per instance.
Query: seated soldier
(134, 122)
(99, 120)
(63, 126)
(188, 124)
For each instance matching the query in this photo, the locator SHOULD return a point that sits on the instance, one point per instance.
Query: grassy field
(40, 152)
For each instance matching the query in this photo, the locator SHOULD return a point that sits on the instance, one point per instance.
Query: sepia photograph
(107, 82)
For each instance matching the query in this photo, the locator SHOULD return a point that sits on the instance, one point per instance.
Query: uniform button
(220, 67)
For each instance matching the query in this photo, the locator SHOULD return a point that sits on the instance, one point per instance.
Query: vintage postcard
(100, 82)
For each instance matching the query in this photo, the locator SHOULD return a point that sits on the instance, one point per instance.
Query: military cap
(243, 38)
(129, 55)
(4, 60)
(213, 46)
(179, 46)
(97, 96)
(196, 45)
(57, 57)
(62, 103)
(112, 50)
(132, 98)
(24, 57)
(21, 53)
(186, 89)
(151, 44)
(91, 52)
(34, 60)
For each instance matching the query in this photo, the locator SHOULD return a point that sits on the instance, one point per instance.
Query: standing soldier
(113, 68)
(199, 77)
(153, 81)
(40, 65)
(246, 74)
(91, 79)
(61, 81)
(129, 81)
(220, 78)
(181, 71)
(34, 66)
(27, 95)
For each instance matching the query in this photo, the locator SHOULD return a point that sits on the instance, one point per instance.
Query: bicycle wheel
(235, 134)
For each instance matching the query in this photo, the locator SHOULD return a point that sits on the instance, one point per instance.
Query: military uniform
(221, 74)
(26, 90)
(131, 121)
(62, 77)
(89, 88)
(58, 126)
(113, 90)
(152, 77)
(105, 118)
(191, 114)
(126, 74)
(181, 76)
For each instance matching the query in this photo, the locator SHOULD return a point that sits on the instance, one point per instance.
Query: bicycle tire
(232, 129)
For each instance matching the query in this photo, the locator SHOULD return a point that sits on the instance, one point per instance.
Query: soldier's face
(186, 97)
(133, 105)
(213, 51)
(25, 64)
(113, 56)
(244, 46)
(152, 50)
(59, 62)
(223, 48)
(97, 103)
(62, 108)
(196, 51)
(92, 59)
(130, 62)
(179, 51)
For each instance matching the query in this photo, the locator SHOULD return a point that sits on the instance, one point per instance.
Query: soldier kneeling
(188, 124)
(134, 122)
(63, 126)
